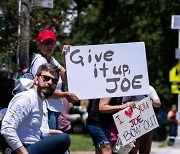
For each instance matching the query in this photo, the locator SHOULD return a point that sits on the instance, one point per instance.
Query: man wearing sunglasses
(26, 118)
(46, 43)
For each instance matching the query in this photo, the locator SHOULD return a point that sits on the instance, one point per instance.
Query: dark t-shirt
(97, 118)
(6, 87)
(93, 112)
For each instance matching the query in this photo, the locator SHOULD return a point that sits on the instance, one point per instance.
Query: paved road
(154, 150)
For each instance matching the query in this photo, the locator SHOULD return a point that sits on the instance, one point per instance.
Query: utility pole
(22, 54)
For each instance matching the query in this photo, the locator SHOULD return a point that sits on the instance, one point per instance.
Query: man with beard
(25, 125)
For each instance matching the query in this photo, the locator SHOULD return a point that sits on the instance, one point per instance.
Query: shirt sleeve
(153, 94)
(38, 60)
(18, 110)
(55, 62)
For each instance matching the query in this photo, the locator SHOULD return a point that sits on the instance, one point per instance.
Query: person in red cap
(46, 43)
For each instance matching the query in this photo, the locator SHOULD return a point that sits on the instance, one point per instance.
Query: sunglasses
(49, 42)
(47, 78)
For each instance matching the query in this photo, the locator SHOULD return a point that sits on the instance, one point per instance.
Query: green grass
(81, 142)
(163, 143)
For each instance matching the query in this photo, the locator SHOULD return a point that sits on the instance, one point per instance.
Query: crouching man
(25, 125)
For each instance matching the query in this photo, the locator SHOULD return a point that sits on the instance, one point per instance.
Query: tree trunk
(24, 28)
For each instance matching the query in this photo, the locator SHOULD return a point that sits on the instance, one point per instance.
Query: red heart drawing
(129, 112)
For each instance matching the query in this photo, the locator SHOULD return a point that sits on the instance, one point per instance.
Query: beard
(45, 92)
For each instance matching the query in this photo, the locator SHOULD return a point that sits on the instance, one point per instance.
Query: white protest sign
(108, 70)
(133, 123)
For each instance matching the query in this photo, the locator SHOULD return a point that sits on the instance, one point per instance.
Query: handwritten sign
(108, 70)
(133, 123)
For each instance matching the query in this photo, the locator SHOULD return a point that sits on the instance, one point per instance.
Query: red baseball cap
(46, 34)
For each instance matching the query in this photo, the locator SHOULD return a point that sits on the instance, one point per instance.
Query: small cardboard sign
(133, 123)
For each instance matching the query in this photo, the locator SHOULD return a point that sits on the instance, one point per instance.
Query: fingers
(72, 97)
(131, 104)
(64, 50)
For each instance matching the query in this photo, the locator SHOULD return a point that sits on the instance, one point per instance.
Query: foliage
(8, 32)
(55, 19)
(104, 21)
(40, 18)
(116, 21)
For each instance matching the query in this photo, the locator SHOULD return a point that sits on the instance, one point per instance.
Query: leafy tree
(104, 21)
(8, 32)
(116, 21)
(40, 18)
(54, 19)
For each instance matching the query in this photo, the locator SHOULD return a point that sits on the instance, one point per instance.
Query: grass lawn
(81, 142)
(163, 143)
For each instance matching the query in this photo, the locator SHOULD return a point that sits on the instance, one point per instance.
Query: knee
(66, 139)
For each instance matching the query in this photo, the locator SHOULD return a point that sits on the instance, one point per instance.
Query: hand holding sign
(133, 123)
(64, 52)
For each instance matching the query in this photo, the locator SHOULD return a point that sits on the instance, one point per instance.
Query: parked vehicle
(78, 116)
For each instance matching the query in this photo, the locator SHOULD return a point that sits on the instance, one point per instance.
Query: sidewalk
(155, 149)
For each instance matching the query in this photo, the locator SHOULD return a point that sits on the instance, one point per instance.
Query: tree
(116, 21)
(23, 34)
(15, 40)
(16, 45)
(55, 19)
(104, 21)
(8, 34)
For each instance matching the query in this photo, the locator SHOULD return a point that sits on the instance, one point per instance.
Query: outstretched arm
(71, 97)
(104, 106)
